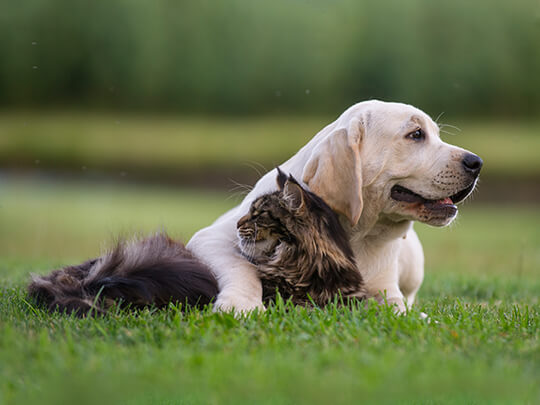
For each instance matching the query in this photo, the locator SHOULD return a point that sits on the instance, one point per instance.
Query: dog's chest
(377, 253)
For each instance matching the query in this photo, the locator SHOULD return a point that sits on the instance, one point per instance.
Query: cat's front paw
(240, 305)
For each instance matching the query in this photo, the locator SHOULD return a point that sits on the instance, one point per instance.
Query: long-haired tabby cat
(299, 246)
(294, 238)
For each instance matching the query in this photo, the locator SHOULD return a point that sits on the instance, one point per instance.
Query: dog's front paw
(240, 305)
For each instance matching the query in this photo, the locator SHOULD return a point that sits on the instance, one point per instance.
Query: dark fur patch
(151, 271)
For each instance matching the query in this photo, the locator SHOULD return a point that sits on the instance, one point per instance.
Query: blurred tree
(254, 56)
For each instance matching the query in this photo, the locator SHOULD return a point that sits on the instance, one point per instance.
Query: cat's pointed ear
(334, 172)
(293, 193)
(281, 179)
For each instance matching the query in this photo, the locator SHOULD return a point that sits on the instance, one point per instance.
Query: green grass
(481, 291)
(122, 142)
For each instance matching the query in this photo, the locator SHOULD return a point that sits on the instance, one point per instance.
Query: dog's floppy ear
(334, 173)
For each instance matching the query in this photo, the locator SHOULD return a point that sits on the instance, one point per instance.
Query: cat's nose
(242, 221)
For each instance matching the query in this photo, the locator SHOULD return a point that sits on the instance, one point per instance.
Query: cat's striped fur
(299, 246)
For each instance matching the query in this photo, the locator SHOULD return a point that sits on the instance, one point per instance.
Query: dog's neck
(373, 224)
(375, 244)
(380, 228)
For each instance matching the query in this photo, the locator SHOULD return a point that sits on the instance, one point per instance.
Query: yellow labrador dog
(381, 166)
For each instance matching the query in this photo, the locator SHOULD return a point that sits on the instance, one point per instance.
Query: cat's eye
(417, 135)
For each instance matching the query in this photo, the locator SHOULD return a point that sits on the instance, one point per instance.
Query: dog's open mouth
(400, 193)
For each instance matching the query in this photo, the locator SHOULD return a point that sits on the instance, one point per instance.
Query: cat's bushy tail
(152, 271)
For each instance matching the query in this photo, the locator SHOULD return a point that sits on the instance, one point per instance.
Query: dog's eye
(417, 135)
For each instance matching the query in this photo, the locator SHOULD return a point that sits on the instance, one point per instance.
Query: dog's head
(388, 160)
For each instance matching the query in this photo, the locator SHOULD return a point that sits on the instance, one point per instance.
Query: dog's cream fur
(352, 164)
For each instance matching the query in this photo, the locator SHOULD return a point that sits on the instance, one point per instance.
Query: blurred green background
(200, 97)
(254, 56)
(127, 116)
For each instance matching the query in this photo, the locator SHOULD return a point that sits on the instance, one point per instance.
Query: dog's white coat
(352, 164)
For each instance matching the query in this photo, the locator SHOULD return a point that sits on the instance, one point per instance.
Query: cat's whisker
(260, 170)
(239, 190)
(240, 186)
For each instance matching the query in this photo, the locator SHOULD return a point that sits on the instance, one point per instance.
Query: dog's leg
(411, 266)
(239, 286)
(393, 297)
(383, 283)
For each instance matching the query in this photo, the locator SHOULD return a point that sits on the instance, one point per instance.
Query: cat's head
(291, 218)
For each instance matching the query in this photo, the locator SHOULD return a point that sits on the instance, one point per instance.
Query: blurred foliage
(242, 148)
(254, 56)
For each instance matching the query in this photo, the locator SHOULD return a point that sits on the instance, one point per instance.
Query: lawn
(481, 292)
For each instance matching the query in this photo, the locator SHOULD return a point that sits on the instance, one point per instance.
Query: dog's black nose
(472, 164)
